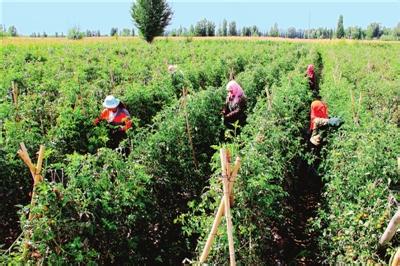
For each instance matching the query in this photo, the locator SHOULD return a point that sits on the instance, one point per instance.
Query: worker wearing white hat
(116, 114)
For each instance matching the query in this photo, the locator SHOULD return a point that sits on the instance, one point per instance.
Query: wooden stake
(214, 229)
(222, 206)
(15, 93)
(393, 224)
(231, 75)
(396, 259)
(232, 180)
(269, 98)
(25, 157)
(196, 165)
(39, 162)
(391, 229)
(37, 178)
(357, 118)
(225, 170)
(353, 107)
(35, 170)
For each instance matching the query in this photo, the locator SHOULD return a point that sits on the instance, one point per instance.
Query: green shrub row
(270, 146)
(360, 167)
(162, 152)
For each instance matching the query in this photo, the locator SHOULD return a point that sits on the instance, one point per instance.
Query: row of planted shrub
(164, 152)
(270, 146)
(61, 87)
(168, 153)
(360, 167)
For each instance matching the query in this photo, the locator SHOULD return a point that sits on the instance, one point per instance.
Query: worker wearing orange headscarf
(319, 119)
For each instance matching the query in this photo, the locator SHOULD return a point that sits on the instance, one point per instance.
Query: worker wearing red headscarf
(312, 80)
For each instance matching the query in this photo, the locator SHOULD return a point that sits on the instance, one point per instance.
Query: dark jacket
(235, 113)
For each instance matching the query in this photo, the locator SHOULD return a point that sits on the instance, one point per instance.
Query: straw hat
(111, 102)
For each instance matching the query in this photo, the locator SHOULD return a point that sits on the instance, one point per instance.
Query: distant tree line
(73, 33)
(11, 31)
(208, 28)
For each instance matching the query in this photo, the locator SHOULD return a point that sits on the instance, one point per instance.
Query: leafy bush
(101, 215)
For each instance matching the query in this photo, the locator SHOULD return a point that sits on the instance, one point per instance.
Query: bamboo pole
(226, 170)
(393, 224)
(269, 98)
(196, 164)
(24, 155)
(40, 162)
(396, 259)
(231, 75)
(357, 118)
(220, 213)
(232, 180)
(15, 93)
(37, 178)
(391, 229)
(214, 229)
(35, 170)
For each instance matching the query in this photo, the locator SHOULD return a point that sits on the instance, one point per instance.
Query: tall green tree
(12, 31)
(224, 28)
(374, 31)
(201, 28)
(274, 31)
(151, 17)
(396, 30)
(114, 31)
(210, 28)
(340, 28)
(232, 28)
(291, 32)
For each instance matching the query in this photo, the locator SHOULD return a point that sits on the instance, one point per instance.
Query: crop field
(156, 203)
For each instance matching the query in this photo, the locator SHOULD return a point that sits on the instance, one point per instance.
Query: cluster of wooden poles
(228, 179)
(37, 178)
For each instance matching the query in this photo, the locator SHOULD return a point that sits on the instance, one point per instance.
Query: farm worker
(312, 80)
(118, 117)
(235, 105)
(319, 120)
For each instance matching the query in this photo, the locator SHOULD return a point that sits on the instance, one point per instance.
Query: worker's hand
(96, 121)
(316, 140)
(320, 122)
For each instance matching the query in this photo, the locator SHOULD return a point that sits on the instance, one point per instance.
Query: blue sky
(60, 15)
